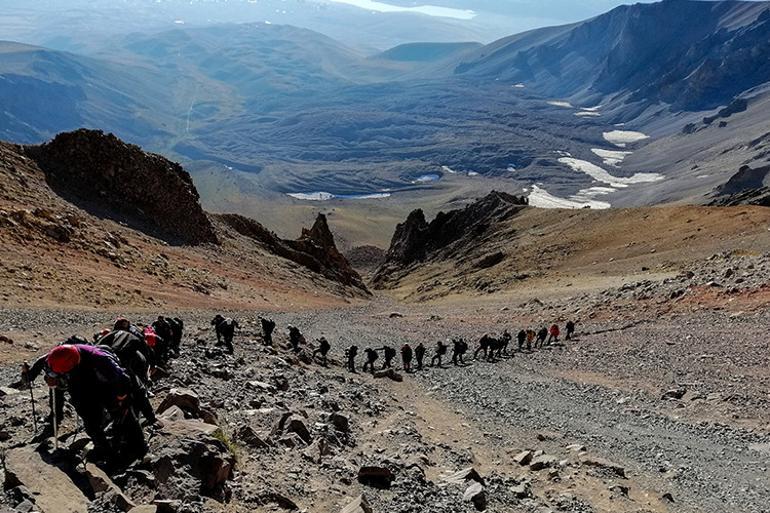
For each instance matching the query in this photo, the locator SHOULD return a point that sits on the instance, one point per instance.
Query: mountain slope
(509, 248)
(61, 249)
(44, 92)
(691, 54)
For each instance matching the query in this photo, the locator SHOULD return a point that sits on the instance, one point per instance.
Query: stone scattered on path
(357, 505)
(54, 490)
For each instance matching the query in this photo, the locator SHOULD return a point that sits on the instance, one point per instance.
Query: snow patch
(312, 196)
(600, 175)
(587, 114)
(449, 170)
(427, 178)
(543, 199)
(519, 86)
(621, 138)
(326, 196)
(472, 173)
(611, 157)
(559, 103)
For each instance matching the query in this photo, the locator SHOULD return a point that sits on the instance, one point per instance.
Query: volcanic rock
(54, 490)
(315, 249)
(100, 170)
(455, 232)
(375, 476)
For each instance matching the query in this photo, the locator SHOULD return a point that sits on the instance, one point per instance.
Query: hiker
(487, 344)
(530, 339)
(406, 357)
(350, 354)
(268, 326)
(323, 350)
(521, 337)
(295, 338)
(159, 354)
(570, 328)
(162, 329)
(458, 349)
(441, 349)
(371, 357)
(225, 329)
(503, 346)
(170, 331)
(389, 353)
(123, 324)
(98, 385)
(419, 354)
(177, 330)
(554, 334)
(133, 355)
(541, 336)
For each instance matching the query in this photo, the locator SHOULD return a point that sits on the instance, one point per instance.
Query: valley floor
(706, 451)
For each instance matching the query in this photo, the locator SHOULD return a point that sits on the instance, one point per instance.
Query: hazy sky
(564, 10)
(71, 24)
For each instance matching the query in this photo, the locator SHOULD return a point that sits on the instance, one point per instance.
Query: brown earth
(541, 252)
(72, 253)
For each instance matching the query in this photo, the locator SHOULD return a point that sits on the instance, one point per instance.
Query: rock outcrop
(450, 234)
(315, 249)
(107, 176)
(746, 187)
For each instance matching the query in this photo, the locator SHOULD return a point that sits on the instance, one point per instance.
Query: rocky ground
(648, 410)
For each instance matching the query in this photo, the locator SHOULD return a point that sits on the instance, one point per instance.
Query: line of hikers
(108, 379)
(491, 348)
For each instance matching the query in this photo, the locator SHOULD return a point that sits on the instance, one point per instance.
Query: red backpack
(150, 337)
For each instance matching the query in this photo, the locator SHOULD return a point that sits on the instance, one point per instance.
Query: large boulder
(461, 477)
(183, 398)
(375, 476)
(52, 490)
(476, 495)
(188, 461)
(101, 484)
(604, 464)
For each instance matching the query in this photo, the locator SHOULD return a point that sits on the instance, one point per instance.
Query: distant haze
(369, 25)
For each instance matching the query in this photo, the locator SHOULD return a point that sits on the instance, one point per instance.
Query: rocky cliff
(315, 249)
(455, 234)
(106, 176)
(746, 187)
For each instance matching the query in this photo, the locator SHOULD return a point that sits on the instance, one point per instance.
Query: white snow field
(541, 198)
(611, 157)
(326, 196)
(560, 103)
(622, 138)
(601, 175)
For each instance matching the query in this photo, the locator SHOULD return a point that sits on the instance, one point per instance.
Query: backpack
(150, 337)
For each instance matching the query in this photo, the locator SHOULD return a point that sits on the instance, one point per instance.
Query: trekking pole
(55, 420)
(32, 397)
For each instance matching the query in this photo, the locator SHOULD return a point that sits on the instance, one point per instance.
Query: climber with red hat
(56, 397)
(134, 356)
(97, 384)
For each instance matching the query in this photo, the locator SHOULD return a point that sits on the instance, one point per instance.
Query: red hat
(62, 359)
